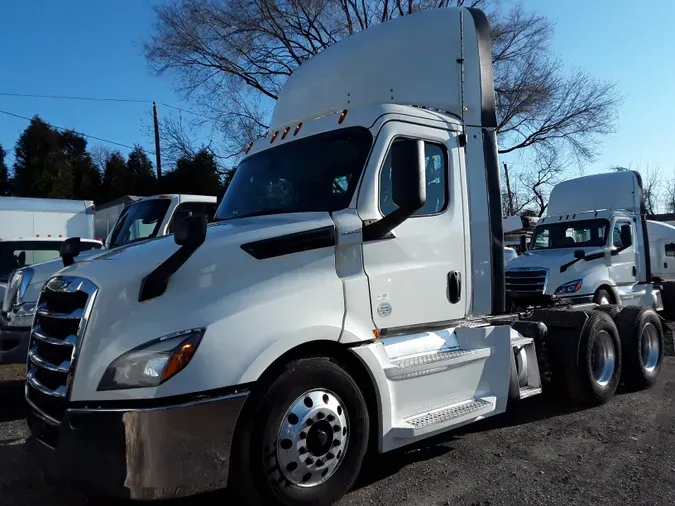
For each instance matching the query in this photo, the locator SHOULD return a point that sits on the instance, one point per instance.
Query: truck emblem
(384, 310)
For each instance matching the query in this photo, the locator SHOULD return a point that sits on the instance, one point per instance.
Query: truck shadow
(12, 403)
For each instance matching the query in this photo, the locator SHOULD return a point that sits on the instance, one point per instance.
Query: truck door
(623, 268)
(418, 276)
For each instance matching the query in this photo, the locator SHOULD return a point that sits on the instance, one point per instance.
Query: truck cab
(349, 296)
(590, 247)
(145, 219)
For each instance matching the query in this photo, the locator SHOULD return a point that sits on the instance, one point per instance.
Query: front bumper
(13, 343)
(147, 454)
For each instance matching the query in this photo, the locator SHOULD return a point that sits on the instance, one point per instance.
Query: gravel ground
(538, 453)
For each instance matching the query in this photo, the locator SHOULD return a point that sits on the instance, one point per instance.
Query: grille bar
(60, 321)
(526, 281)
(33, 356)
(60, 392)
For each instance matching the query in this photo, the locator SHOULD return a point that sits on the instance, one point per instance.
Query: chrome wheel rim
(312, 438)
(604, 301)
(603, 358)
(650, 347)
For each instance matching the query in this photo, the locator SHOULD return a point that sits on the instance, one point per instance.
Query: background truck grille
(60, 321)
(530, 282)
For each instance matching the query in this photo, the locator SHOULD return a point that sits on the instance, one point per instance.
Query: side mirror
(579, 254)
(190, 231)
(408, 175)
(69, 250)
(626, 235)
(409, 187)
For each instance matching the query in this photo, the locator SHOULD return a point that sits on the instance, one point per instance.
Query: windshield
(574, 234)
(17, 254)
(139, 221)
(318, 173)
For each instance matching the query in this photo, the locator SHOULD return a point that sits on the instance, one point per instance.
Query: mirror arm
(380, 228)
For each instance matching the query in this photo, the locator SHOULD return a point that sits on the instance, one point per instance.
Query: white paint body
(621, 272)
(254, 311)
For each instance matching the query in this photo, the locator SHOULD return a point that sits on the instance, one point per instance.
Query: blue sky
(92, 48)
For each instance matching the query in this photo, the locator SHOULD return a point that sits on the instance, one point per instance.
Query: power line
(71, 130)
(104, 99)
(66, 97)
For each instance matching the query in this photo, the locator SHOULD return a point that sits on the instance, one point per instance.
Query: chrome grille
(526, 281)
(60, 320)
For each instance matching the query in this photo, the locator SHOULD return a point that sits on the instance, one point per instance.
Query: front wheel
(602, 297)
(303, 440)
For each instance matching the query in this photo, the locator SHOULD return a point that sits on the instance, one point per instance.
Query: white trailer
(37, 217)
(107, 214)
(349, 298)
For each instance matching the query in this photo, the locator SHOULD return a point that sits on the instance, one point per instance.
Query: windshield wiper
(261, 212)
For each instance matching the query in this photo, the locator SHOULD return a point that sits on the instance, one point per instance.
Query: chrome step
(528, 391)
(431, 363)
(443, 418)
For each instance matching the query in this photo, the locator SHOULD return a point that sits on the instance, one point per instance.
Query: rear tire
(602, 297)
(593, 369)
(609, 309)
(642, 342)
(303, 437)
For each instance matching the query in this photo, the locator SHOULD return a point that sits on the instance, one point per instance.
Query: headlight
(571, 287)
(152, 363)
(16, 288)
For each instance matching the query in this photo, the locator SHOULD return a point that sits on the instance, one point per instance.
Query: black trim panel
(323, 237)
(162, 402)
(494, 201)
(643, 221)
(487, 87)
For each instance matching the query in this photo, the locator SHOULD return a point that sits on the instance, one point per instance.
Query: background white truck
(350, 296)
(146, 218)
(32, 230)
(594, 245)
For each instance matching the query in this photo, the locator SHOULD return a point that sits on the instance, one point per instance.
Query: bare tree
(655, 195)
(231, 57)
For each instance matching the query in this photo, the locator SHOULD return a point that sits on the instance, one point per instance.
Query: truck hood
(128, 265)
(550, 259)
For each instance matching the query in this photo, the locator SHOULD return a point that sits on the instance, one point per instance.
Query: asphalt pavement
(540, 452)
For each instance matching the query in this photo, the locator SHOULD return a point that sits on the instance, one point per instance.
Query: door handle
(454, 287)
(634, 271)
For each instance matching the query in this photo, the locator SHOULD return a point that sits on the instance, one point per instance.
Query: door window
(436, 175)
(616, 234)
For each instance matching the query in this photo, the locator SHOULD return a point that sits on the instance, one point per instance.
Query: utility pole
(157, 155)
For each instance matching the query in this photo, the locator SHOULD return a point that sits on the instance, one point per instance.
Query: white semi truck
(146, 218)
(349, 298)
(594, 245)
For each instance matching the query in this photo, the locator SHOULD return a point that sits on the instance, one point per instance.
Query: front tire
(602, 297)
(303, 437)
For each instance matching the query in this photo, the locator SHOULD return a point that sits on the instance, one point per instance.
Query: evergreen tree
(141, 172)
(197, 175)
(116, 180)
(40, 170)
(86, 178)
(5, 183)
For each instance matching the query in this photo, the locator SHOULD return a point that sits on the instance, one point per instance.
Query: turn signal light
(179, 360)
